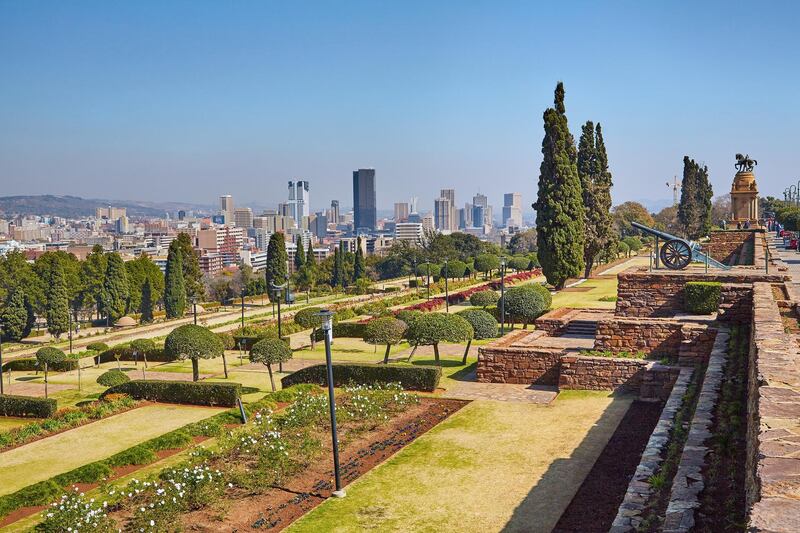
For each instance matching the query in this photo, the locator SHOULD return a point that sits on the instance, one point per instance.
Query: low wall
(689, 343)
(600, 373)
(732, 247)
(502, 363)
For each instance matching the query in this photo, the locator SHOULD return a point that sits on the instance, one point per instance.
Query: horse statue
(744, 163)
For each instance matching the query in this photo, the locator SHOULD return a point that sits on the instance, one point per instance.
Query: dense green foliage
(432, 328)
(484, 298)
(702, 297)
(484, 325)
(386, 330)
(49, 355)
(596, 188)
(309, 317)
(299, 254)
(27, 406)
(694, 210)
(454, 269)
(526, 303)
(193, 342)
(97, 346)
(113, 377)
(359, 267)
(423, 378)
(174, 287)
(57, 303)
(145, 286)
(276, 272)
(486, 263)
(14, 316)
(559, 204)
(270, 352)
(115, 288)
(185, 392)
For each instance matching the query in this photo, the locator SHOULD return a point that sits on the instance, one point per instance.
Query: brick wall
(661, 338)
(657, 382)
(505, 361)
(732, 247)
(600, 373)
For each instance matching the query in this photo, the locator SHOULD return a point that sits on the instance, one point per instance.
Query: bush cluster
(185, 392)
(423, 378)
(126, 353)
(112, 378)
(344, 329)
(484, 325)
(11, 405)
(702, 297)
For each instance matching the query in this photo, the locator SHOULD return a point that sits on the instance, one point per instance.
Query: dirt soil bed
(278, 507)
(604, 487)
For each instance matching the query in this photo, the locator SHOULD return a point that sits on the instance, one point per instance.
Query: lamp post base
(339, 493)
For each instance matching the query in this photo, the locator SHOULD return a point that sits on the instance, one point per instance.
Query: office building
(409, 232)
(319, 225)
(442, 213)
(364, 200)
(512, 210)
(335, 215)
(110, 213)
(450, 194)
(226, 208)
(243, 217)
(298, 204)
(428, 223)
(401, 212)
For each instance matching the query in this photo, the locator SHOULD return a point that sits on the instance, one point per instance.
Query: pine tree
(192, 275)
(57, 302)
(596, 186)
(559, 205)
(299, 255)
(359, 268)
(174, 289)
(276, 262)
(115, 288)
(93, 275)
(147, 301)
(14, 316)
(705, 193)
(688, 210)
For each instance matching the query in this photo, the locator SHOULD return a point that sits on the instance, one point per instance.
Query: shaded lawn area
(493, 466)
(98, 440)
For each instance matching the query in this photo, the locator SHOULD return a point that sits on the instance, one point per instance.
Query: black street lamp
(1, 357)
(414, 268)
(446, 293)
(502, 296)
(429, 280)
(194, 308)
(327, 329)
(243, 294)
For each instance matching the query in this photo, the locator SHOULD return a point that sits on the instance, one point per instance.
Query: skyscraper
(243, 217)
(401, 212)
(364, 199)
(226, 207)
(334, 211)
(298, 201)
(450, 194)
(442, 211)
(512, 209)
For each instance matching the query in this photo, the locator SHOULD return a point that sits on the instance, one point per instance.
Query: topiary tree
(486, 263)
(525, 303)
(142, 347)
(193, 342)
(387, 330)
(432, 328)
(519, 262)
(14, 316)
(269, 352)
(484, 298)
(634, 244)
(623, 248)
(113, 377)
(484, 326)
(47, 357)
(408, 315)
(309, 318)
(424, 268)
(455, 269)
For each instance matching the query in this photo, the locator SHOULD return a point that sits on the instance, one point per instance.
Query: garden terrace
(734, 247)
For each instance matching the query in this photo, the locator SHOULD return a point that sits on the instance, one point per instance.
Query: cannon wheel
(676, 254)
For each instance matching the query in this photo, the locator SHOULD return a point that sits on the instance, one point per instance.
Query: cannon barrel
(660, 234)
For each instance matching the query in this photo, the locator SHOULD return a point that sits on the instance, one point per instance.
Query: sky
(163, 100)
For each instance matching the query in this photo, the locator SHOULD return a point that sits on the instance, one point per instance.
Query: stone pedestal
(744, 197)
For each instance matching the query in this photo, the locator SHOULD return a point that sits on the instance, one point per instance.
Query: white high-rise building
(226, 207)
(512, 210)
(450, 194)
(298, 203)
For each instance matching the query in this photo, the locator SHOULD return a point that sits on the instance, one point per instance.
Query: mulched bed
(595, 505)
(278, 507)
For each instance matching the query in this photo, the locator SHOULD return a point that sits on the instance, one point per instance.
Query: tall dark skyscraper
(364, 201)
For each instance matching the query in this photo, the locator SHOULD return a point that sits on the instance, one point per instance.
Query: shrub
(113, 377)
(228, 342)
(486, 263)
(702, 297)
(185, 392)
(484, 325)
(520, 262)
(26, 406)
(123, 352)
(193, 342)
(424, 378)
(269, 352)
(433, 328)
(526, 303)
(90, 473)
(344, 329)
(97, 346)
(408, 316)
(309, 318)
(138, 455)
(484, 298)
(30, 364)
(387, 330)
(455, 269)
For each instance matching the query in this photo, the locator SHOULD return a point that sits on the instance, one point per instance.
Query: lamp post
(243, 294)
(446, 293)
(1, 357)
(502, 296)
(429, 280)
(327, 328)
(414, 268)
(194, 309)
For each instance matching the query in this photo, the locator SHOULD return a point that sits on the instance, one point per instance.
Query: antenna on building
(675, 188)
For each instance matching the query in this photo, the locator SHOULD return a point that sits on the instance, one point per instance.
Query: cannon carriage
(676, 253)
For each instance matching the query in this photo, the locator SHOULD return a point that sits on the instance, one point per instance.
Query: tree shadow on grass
(445, 363)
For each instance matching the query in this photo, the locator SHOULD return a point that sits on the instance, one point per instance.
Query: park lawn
(492, 466)
(598, 288)
(48, 457)
(9, 422)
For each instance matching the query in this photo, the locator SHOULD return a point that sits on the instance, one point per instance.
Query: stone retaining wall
(601, 373)
(690, 343)
(727, 246)
(501, 362)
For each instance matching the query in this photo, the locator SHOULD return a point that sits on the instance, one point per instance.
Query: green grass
(599, 288)
(492, 465)
(45, 458)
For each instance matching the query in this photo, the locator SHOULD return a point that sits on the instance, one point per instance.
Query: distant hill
(74, 206)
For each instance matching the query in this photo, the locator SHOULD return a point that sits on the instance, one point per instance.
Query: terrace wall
(732, 247)
(690, 343)
(502, 363)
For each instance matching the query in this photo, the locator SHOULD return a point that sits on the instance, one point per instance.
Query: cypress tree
(192, 275)
(174, 289)
(14, 316)
(147, 301)
(342, 281)
(276, 262)
(93, 275)
(335, 272)
(688, 210)
(115, 288)
(359, 268)
(559, 205)
(705, 193)
(596, 187)
(299, 255)
(57, 302)
(310, 259)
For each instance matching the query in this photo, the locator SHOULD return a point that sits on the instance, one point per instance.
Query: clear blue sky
(187, 100)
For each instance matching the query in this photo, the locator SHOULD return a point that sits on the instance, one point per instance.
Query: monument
(744, 192)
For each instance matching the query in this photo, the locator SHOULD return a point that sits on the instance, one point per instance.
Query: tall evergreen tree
(596, 186)
(359, 267)
(115, 288)
(14, 316)
(147, 301)
(342, 281)
(174, 289)
(192, 275)
(688, 210)
(299, 255)
(559, 205)
(57, 302)
(310, 259)
(335, 269)
(276, 262)
(93, 275)
(705, 193)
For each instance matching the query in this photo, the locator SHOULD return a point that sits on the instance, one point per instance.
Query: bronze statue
(744, 163)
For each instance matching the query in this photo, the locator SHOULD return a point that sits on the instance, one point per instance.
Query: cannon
(677, 253)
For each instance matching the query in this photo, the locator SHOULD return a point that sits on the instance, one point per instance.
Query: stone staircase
(587, 328)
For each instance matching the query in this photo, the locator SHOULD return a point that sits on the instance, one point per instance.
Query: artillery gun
(677, 253)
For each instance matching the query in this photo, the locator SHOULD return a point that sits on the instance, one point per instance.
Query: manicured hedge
(355, 330)
(126, 354)
(702, 297)
(30, 364)
(27, 406)
(113, 378)
(424, 378)
(188, 392)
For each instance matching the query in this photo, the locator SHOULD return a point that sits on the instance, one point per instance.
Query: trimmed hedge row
(702, 297)
(355, 330)
(423, 378)
(126, 354)
(186, 392)
(27, 406)
(30, 364)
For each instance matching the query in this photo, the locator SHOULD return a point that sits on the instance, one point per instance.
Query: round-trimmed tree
(309, 318)
(519, 262)
(193, 342)
(486, 263)
(142, 347)
(408, 315)
(113, 377)
(432, 328)
(484, 298)
(455, 269)
(387, 330)
(424, 268)
(269, 352)
(47, 357)
(484, 326)
(525, 303)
